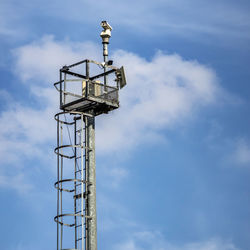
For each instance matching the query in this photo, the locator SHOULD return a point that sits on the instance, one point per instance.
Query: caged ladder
(75, 149)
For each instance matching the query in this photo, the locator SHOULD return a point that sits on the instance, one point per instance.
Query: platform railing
(73, 90)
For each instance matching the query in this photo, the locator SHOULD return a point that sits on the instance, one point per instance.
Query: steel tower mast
(82, 97)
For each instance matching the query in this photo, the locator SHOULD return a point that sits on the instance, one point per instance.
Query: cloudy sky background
(173, 163)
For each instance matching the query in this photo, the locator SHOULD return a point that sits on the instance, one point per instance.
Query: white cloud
(112, 176)
(241, 153)
(129, 245)
(26, 135)
(40, 61)
(27, 132)
(17, 182)
(160, 94)
(148, 240)
(190, 19)
(23, 129)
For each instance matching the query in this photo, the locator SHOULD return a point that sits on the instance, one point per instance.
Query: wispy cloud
(231, 151)
(161, 93)
(11, 20)
(39, 61)
(112, 176)
(241, 153)
(24, 129)
(148, 240)
(217, 19)
(17, 182)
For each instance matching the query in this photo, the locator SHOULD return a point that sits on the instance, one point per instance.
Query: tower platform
(86, 93)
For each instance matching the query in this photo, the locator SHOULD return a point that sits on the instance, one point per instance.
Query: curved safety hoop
(62, 121)
(70, 180)
(70, 215)
(69, 249)
(56, 150)
(69, 112)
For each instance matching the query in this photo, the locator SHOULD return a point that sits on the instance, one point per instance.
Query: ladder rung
(81, 225)
(79, 145)
(79, 170)
(78, 196)
(79, 184)
(80, 238)
(78, 130)
(78, 157)
(79, 211)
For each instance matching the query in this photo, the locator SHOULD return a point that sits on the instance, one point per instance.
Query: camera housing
(106, 25)
(106, 33)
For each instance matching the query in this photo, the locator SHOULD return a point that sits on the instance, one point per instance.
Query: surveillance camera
(110, 62)
(106, 25)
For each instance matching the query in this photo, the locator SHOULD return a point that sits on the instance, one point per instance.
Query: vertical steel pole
(92, 222)
(58, 173)
(82, 178)
(64, 89)
(75, 162)
(105, 57)
(86, 184)
(60, 92)
(91, 238)
(61, 177)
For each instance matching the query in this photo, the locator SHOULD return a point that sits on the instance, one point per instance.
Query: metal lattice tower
(83, 95)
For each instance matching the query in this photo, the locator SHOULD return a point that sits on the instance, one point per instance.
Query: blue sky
(173, 163)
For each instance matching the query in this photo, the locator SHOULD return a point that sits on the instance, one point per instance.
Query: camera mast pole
(105, 35)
